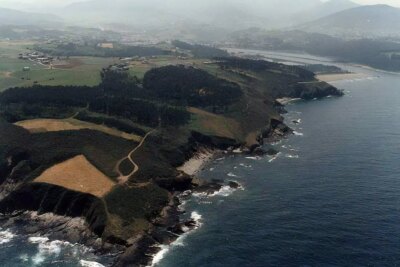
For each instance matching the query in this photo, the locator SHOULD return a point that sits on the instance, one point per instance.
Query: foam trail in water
(84, 263)
(275, 157)
(297, 133)
(6, 236)
(254, 158)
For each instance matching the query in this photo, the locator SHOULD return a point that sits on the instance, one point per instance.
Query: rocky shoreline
(170, 226)
(173, 226)
(79, 225)
(166, 229)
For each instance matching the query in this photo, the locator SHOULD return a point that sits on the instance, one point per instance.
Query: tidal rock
(259, 151)
(209, 188)
(233, 184)
(272, 152)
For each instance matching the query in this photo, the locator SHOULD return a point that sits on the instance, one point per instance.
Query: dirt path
(122, 179)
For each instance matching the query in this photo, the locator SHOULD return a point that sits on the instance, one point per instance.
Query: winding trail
(122, 179)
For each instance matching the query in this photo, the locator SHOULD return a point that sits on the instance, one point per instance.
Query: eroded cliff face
(308, 91)
(46, 198)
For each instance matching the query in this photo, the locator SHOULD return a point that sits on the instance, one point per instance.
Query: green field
(75, 70)
(87, 72)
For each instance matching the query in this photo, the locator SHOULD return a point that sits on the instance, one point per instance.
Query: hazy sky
(372, 2)
(54, 3)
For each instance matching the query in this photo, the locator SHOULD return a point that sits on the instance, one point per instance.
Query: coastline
(196, 163)
(340, 76)
(209, 189)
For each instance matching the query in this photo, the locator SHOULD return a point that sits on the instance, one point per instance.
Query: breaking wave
(6, 236)
(164, 249)
(84, 263)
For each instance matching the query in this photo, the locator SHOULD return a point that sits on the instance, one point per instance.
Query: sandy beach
(197, 162)
(340, 76)
(286, 100)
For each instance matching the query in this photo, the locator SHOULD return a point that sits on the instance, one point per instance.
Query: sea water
(331, 197)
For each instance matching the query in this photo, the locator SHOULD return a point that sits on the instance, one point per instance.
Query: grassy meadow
(76, 70)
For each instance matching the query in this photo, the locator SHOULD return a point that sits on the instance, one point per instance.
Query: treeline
(201, 51)
(161, 99)
(262, 65)
(190, 86)
(75, 96)
(141, 111)
(120, 83)
(120, 124)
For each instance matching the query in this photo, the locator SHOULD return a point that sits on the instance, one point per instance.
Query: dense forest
(161, 100)
(190, 86)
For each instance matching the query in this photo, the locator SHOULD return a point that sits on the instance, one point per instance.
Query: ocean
(331, 197)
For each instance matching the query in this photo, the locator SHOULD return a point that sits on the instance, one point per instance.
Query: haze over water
(331, 198)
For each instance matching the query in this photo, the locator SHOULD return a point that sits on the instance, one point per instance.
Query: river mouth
(329, 198)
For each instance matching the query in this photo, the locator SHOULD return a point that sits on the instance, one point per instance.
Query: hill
(124, 188)
(323, 10)
(363, 21)
(159, 14)
(15, 17)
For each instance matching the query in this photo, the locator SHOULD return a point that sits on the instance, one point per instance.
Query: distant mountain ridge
(221, 13)
(15, 17)
(322, 10)
(359, 22)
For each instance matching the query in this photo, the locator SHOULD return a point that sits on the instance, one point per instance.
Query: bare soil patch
(78, 174)
(54, 125)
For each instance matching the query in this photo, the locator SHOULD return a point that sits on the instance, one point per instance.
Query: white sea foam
(225, 191)
(232, 174)
(46, 248)
(160, 255)
(6, 236)
(38, 259)
(38, 239)
(297, 133)
(24, 257)
(292, 156)
(245, 165)
(164, 249)
(52, 248)
(274, 157)
(254, 158)
(90, 264)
